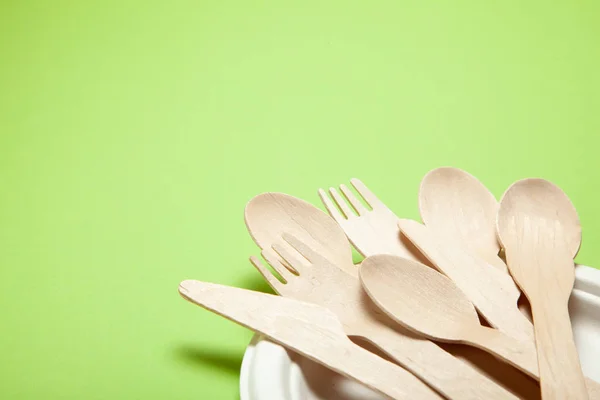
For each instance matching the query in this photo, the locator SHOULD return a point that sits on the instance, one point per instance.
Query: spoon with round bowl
(539, 229)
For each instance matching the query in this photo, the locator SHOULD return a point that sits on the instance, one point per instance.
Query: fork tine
(301, 247)
(275, 283)
(287, 256)
(364, 191)
(271, 257)
(331, 208)
(341, 203)
(360, 209)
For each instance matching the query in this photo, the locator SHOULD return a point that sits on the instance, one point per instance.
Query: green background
(132, 134)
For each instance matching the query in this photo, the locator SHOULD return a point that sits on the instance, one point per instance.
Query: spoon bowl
(430, 304)
(543, 201)
(455, 204)
(540, 231)
(269, 215)
(418, 297)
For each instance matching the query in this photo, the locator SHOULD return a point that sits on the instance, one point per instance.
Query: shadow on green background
(133, 133)
(198, 356)
(225, 361)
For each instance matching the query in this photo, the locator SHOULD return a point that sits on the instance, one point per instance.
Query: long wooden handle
(447, 374)
(523, 356)
(520, 354)
(493, 292)
(380, 375)
(311, 331)
(560, 370)
(515, 321)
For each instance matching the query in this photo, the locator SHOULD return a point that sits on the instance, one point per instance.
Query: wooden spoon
(319, 280)
(285, 213)
(540, 231)
(485, 287)
(492, 291)
(429, 303)
(457, 206)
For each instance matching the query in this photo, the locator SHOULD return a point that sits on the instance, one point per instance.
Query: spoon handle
(560, 369)
(447, 374)
(520, 354)
(493, 292)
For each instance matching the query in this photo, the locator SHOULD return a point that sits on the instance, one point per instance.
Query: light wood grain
(373, 231)
(459, 208)
(540, 231)
(429, 303)
(518, 383)
(318, 280)
(492, 291)
(310, 330)
(329, 239)
(376, 235)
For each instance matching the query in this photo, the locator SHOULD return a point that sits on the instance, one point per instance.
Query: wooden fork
(372, 231)
(318, 281)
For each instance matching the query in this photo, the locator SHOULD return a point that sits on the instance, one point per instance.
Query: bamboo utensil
(372, 231)
(497, 297)
(492, 291)
(458, 207)
(371, 234)
(270, 209)
(376, 232)
(429, 303)
(310, 330)
(310, 276)
(540, 232)
(327, 301)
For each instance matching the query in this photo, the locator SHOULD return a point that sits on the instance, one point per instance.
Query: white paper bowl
(270, 372)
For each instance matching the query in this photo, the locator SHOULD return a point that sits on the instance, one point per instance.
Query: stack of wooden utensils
(455, 278)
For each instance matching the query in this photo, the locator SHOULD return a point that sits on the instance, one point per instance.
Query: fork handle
(378, 374)
(449, 375)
